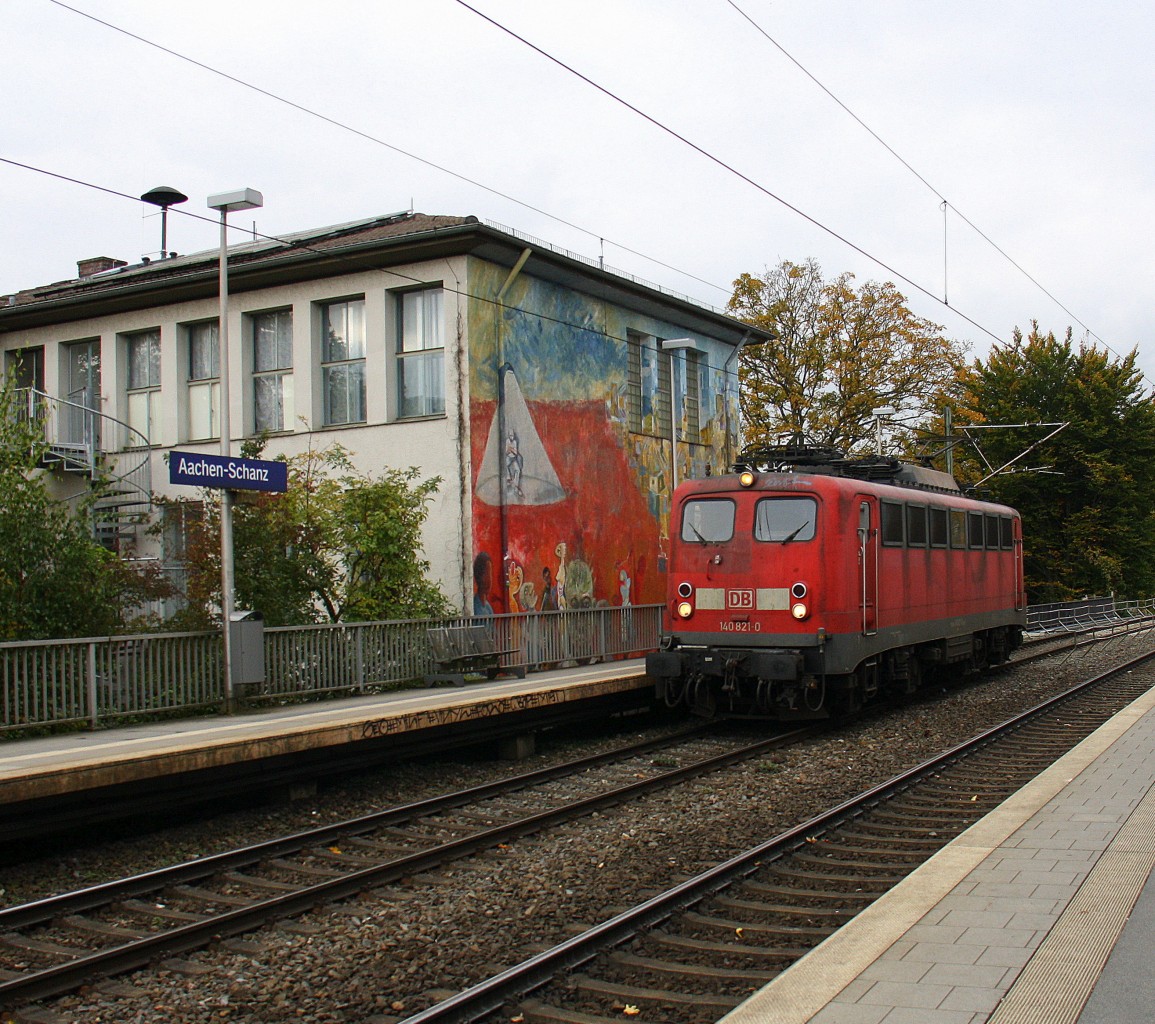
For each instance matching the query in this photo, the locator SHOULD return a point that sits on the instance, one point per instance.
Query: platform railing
(98, 681)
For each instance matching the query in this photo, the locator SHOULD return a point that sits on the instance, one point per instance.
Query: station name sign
(227, 473)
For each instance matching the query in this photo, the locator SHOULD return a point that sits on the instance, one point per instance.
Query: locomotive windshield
(785, 519)
(708, 520)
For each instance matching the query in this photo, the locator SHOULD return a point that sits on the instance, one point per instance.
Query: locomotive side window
(785, 519)
(938, 528)
(916, 526)
(892, 525)
(992, 523)
(975, 529)
(1006, 533)
(708, 520)
(958, 528)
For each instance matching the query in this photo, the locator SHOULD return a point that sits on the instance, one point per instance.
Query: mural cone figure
(516, 461)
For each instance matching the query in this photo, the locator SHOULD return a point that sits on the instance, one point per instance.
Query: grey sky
(1030, 118)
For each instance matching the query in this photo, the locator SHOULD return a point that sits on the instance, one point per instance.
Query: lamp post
(240, 199)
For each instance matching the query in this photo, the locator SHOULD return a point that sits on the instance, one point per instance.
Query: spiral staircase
(81, 441)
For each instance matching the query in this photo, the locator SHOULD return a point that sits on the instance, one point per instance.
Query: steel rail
(474, 1003)
(127, 956)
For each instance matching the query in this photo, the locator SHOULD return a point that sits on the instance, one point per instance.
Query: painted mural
(570, 507)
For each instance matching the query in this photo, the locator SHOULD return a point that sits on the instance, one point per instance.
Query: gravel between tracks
(387, 955)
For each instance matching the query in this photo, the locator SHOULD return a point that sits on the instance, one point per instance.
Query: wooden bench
(460, 651)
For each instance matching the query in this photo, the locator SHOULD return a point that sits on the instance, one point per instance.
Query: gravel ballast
(395, 950)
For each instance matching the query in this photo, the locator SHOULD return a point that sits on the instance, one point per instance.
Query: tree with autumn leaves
(1089, 514)
(840, 353)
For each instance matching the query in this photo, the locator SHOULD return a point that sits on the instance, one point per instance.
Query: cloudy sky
(1030, 118)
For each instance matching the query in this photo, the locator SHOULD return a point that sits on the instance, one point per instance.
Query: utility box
(247, 643)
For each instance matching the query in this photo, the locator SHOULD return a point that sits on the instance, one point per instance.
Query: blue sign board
(227, 473)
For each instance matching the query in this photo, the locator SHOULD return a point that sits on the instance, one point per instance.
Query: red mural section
(597, 545)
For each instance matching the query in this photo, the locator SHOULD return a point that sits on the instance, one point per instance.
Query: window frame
(939, 527)
(646, 360)
(976, 535)
(690, 537)
(1007, 533)
(917, 515)
(282, 373)
(890, 512)
(428, 359)
(208, 384)
(352, 363)
(803, 535)
(147, 392)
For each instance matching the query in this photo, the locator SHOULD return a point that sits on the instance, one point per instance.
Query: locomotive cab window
(785, 519)
(708, 520)
(938, 528)
(891, 515)
(975, 529)
(916, 526)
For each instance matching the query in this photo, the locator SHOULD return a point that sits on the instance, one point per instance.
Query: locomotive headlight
(799, 610)
(746, 478)
(685, 589)
(685, 609)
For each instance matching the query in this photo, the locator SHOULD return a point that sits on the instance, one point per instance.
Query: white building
(533, 382)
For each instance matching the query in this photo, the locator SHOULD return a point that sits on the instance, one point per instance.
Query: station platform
(38, 775)
(1043, 912)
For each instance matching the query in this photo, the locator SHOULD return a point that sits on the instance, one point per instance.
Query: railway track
(53, 945)
(693, 953)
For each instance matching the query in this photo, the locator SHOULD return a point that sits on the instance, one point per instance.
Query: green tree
(55, 579)
(337, 546)
(1089, 521)
(840, 353)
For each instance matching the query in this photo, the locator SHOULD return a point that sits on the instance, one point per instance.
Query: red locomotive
(807, 583)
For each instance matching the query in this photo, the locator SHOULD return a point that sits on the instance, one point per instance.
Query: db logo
(740, 599)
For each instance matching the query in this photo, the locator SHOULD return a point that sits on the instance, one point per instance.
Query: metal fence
(101, 680)
(97, 681)
(1088, 613)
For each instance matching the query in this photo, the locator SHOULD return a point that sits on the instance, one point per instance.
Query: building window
(420, 354)
(143, 350)
(648, 391)
(272, 370)
(343, 361)
(693, 402)
(204, 381)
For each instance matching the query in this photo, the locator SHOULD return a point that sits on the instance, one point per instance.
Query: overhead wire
(618, 99)
(902, 160)
(353, 261)
(376, 140)
(729, 168)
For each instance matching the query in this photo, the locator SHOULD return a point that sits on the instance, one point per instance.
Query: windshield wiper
(794, 533)
(697, 534)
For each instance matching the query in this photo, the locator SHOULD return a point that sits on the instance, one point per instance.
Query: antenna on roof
(164, 196)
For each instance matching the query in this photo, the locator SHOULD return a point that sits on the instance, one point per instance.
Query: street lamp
(239, 199)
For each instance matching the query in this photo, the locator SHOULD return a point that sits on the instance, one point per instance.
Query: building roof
(370, 244)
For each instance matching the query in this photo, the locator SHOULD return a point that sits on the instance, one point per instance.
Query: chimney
(97, 265)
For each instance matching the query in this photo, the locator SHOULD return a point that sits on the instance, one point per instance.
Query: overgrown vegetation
(55, 579)
(337, 546)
